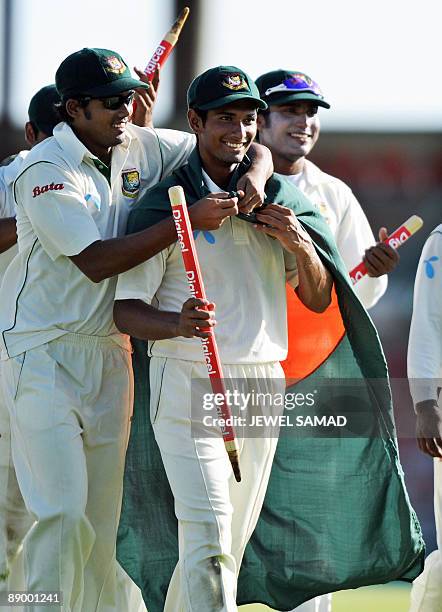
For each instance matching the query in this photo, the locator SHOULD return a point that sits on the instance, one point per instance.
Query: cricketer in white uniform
(64, 360)
(14, 519)
(425, 378)
(245, 271)
(290, 129)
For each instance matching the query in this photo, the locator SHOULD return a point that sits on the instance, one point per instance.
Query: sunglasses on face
(296, 82)
(113, 102)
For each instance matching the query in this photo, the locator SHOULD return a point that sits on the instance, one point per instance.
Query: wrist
(174, 324)
(303, 249)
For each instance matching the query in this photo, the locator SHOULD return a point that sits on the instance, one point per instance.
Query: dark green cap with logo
(220, 86)
(95, 73)
(284, 86)
(42, 112)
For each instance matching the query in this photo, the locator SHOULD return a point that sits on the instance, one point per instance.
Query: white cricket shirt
(425, 343)
(7, 205)
(64, 204)
(244, 273)
(348, 224)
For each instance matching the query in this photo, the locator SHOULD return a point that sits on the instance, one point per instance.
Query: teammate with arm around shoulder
(63, 356)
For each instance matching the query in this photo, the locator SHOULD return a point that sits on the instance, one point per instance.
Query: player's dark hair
(202, 114)
(63, 114)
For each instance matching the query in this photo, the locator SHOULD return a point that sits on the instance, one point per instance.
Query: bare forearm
(143, 321)
(8, 233)
(315, 281)
(106, 258)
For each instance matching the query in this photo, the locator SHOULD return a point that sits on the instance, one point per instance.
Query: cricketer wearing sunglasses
(290, 129)
(67, 370)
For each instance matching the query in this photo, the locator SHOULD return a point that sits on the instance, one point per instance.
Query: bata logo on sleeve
(44, 188)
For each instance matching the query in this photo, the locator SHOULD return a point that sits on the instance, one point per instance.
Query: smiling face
(97, 127)
(225, 136)
(290, 131)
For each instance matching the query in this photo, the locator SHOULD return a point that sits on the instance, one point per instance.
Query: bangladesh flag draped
(336, 513)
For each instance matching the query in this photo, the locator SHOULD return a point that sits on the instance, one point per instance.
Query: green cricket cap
(283, 86)
(42, 112)
(96, 73)
(220, 86)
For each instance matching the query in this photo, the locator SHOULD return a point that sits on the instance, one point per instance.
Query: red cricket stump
(165, 47)
(210, 349)
(398, 237)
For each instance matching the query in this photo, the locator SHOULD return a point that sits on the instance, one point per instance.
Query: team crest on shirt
(130, 182)
(234, 82)
(114, 64)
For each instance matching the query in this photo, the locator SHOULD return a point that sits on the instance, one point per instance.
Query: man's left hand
(281, 223)
(381, 258)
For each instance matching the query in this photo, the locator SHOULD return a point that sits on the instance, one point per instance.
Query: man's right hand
(210, 212)
(429, 428)
(194, 321)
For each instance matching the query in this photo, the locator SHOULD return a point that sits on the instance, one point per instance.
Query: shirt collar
(68, 141)
(196, 176)
(312, 174)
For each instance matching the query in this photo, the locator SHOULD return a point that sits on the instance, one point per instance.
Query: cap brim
(229, 99)
(284, 98)
(115, 87)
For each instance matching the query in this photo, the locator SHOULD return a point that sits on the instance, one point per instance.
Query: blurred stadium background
(376, 63)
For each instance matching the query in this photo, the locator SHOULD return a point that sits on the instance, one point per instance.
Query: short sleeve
(6, 210)
(56, 209)
(143, 281)
(175, 148)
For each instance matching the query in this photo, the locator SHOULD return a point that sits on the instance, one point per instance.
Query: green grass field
(391, 598)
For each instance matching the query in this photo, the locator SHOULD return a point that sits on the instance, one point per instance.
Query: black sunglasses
(112, 102)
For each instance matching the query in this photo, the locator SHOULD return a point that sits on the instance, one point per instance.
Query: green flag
(336, 514)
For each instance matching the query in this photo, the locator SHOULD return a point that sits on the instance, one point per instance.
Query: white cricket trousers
(70, 404)
(216, 515)
(15, 520)
(426, 593)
